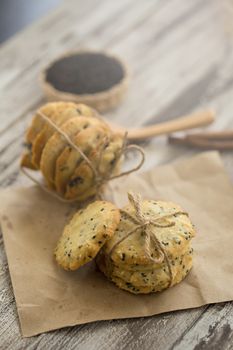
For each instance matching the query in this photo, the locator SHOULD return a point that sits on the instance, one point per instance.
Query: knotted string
(100, 179)
(144, 222)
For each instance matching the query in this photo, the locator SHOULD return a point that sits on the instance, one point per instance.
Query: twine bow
(100, 179)
(148, 225)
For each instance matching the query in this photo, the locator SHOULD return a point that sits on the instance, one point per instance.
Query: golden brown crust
(56, 145)
(85, 234)
(174, 239)
(69, 159)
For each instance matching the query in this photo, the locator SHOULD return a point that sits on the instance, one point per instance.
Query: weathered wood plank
(181, 58)
(212, 331)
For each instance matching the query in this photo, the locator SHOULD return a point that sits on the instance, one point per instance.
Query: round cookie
(85, 234)
(48, 130)
(174, 239)
(57, 143)
(38, 123)
(156, 274)
(104, 160)
(66, 163)
(34, 129)
(160, 283)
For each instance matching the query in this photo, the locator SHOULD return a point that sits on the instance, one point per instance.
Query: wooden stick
(213, 135)
(202, 142)
(183, 123)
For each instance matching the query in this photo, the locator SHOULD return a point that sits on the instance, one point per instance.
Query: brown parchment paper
(48, 297)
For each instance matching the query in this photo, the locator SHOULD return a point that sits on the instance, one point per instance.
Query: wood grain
(180, 55)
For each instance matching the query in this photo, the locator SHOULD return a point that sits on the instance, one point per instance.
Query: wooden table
(180, 54)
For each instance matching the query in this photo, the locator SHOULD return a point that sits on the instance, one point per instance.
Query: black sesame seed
(113, 161)
(76, 181)
(27, 145)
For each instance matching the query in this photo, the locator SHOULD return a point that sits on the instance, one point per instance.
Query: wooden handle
(213, 135)
(186, 122)
(219, 140)
(205, 143)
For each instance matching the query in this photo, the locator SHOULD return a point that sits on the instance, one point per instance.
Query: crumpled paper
(48, 298)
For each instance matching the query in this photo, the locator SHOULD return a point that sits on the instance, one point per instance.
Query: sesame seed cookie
(50, 109)
(104, 159)
(85, 234)
(87, 140)
(160, 278)
(174, 239)
(156, 274)
(57, 143)
(48, 130)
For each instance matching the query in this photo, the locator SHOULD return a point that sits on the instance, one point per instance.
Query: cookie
(128, 286)
(38, 123)
(70, 158)
(84, 173)
(105, 160)
(85, 234)
(155, 275)
(26, 161)
(174, 239)
(48, 130)
(35, 127)
(159, 281)
(57, 143)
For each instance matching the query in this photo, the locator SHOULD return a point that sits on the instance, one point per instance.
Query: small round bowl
(95, 78)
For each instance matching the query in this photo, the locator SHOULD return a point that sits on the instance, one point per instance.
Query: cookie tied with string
(75, 150)
(142, 248)
(151, 248)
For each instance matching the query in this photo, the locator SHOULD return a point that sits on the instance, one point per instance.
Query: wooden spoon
(190, 121)
(219, 140)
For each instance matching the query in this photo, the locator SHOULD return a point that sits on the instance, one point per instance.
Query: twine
(143, 222)
(99, 178)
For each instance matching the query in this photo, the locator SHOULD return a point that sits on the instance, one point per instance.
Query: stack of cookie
(126, 262)
(148, 251)
(64, 168)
